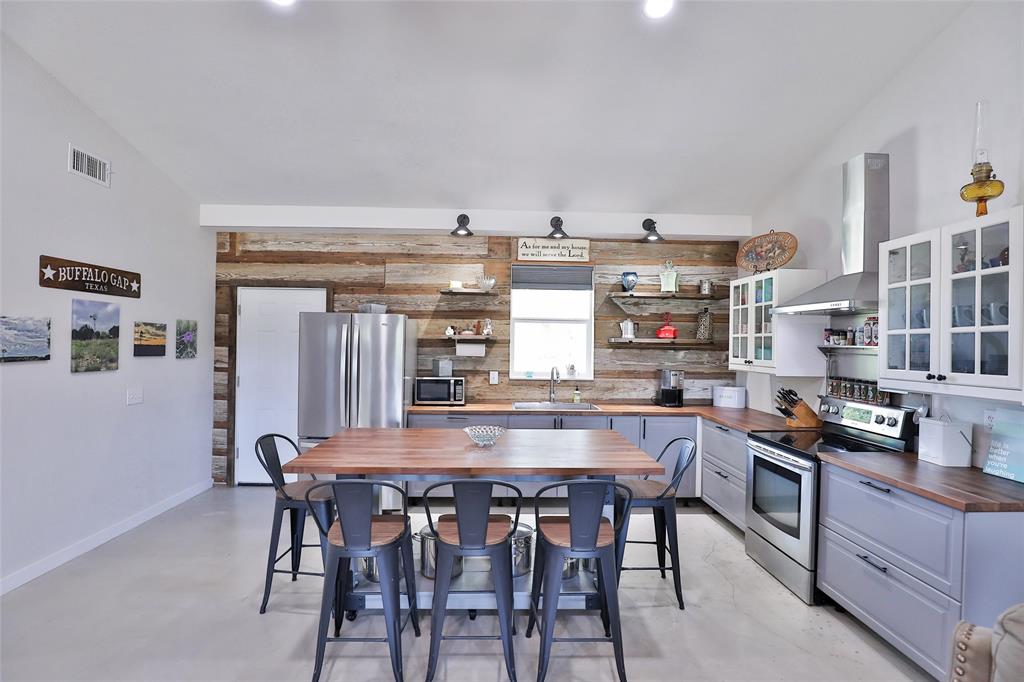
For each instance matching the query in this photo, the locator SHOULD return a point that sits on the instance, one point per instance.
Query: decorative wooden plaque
(766, 251)
(539, 248)
(60, 273)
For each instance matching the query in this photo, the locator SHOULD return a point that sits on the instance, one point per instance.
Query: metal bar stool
(583, 534)
(473, 531)
(290, 497)
(358, 532)
(661, 500)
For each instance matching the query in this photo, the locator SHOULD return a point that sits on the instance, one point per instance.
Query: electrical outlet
(494, 378)
(133, 396)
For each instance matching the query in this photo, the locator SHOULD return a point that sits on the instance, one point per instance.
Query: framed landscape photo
(95, 335)
(185, 346)
(150, 339)
(24, 339)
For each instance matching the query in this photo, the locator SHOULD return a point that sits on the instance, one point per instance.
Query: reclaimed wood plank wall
(407, 273)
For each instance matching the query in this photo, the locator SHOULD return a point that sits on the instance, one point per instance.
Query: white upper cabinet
(759, 340)
(952, 309)
(908, 307)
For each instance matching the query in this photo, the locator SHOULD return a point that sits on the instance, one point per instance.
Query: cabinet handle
(929, 376)
(941, 377)
(866, 559)
(721, 428)
(449, 418)
(726, 476)
(644, 434)
(876, 487)
(611, 422)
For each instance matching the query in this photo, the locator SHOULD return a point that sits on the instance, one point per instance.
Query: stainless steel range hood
(865, 225)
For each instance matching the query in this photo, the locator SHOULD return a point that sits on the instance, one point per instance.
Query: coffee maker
(670, 391)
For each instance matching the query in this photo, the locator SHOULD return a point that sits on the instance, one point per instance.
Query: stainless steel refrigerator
(356, 370)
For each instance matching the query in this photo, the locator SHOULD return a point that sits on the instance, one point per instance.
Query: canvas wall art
(95, 332)
(185, 345)
(150, 339)
(24, 338)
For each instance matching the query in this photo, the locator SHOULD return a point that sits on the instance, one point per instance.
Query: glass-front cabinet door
(740, 348)
(762, 336)
(981, 292)
(908, 319)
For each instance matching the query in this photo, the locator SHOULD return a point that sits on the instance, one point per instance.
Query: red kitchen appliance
(667, 331)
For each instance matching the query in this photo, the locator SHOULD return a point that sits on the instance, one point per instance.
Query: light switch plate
(494, 378)
(134, 396)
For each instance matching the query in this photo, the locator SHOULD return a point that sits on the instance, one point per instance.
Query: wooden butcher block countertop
(963, 488)
(741, 419)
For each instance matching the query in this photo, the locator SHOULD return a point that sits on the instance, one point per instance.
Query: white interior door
(267, 369)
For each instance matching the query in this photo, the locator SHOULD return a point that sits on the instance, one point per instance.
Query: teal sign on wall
(1006, 451)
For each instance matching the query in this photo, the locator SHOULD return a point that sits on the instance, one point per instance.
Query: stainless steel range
(782, 482)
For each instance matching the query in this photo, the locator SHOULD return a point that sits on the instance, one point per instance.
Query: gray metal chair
(290, 497)
(359, 533)
(473, 531)
(583, 534)
(661, 500)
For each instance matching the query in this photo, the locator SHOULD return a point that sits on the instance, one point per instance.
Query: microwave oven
(440, 391)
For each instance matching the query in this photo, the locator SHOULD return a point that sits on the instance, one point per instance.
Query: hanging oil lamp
(985, 185)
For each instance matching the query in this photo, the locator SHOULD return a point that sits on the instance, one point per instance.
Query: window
(552, 322)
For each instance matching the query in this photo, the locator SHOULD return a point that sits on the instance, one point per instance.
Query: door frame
(231, 397)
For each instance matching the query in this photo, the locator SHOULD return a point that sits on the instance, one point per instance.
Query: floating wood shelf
(620, 341)
(860, 350)
(467, 292)
(718, 294)
(460, 337)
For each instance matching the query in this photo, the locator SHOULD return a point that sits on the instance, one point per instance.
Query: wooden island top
(519, 452)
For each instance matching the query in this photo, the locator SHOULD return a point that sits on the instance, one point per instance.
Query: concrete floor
(178, 599)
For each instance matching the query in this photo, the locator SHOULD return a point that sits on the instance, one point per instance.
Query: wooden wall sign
(565, 250)
(60, 273)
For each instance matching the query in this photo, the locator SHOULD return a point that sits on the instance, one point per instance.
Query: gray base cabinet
(724, 471)
(911, 568)
(655, 434)
(627, 427)
(454, 421)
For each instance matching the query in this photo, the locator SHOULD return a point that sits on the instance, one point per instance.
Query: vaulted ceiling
(512, 105)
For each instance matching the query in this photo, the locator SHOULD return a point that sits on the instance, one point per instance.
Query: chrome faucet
(555, 379)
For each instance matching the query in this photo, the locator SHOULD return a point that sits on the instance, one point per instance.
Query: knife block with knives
(799, 414)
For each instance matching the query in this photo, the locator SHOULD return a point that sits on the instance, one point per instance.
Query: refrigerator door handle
(353, 394)
(346, 368)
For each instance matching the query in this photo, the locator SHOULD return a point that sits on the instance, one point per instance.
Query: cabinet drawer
(723, 492)
(454, 421)
(913, 617)
(728, 446)
(533, 421)
(921, 537)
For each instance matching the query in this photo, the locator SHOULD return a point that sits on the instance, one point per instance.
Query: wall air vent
(88, 166)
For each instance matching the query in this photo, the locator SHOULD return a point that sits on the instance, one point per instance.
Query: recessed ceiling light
(282, 3)
(658, 9)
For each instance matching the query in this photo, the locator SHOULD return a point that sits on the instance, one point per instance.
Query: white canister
(946, 443)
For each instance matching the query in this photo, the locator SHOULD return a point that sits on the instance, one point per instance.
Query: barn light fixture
(650, 227)
(463, 229)
(556, 229)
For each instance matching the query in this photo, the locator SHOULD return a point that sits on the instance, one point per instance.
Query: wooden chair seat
(555, 530)
(646, 489)
(384, 529)
(498, 526)
(297, 491)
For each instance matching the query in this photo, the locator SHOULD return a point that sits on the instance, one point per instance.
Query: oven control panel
(884, 420)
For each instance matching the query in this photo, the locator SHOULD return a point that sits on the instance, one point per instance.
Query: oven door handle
(786, 461)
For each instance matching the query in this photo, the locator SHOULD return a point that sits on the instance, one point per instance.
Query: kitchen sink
(554, 406)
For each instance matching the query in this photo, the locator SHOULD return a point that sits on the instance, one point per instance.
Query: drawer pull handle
(866, 559)
(721, 474)
(721, 428)
(876, 487)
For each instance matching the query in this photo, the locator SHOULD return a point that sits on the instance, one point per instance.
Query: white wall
(78, 466)
(924, 120)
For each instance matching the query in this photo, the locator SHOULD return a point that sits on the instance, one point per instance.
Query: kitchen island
(438, 454)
